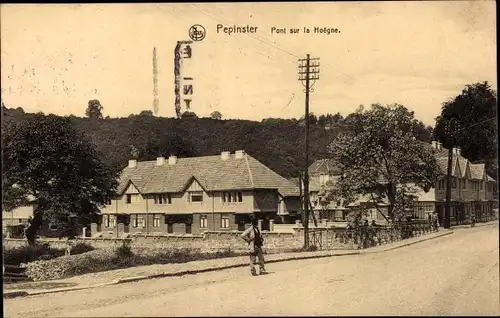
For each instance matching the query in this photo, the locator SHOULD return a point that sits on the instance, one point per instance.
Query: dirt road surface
(454, 275)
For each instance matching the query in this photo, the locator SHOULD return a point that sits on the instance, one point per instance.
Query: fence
(365, 237)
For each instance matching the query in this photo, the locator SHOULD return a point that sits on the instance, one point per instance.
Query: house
(15, 221)
(472, 190)
(322, 174)
(192, 195)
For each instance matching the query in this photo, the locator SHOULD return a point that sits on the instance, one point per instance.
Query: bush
(115, 258)
(124, 251)
(27, 253)
(80, 248)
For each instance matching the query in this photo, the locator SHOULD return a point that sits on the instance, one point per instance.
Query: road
(454, 275)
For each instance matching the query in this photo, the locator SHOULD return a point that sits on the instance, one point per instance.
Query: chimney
(239, 154)
(455, 151)
(225, 155)
(172, 160)
(434, 144)
(160, 161)
(459, 151)
(439, 146)
(132, 163)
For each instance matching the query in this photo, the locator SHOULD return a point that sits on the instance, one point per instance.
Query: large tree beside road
(44, 158)
(469, 121)
(382, 159)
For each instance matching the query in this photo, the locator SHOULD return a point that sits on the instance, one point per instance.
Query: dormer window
(132, 198)
(196, 196)
(323, 179)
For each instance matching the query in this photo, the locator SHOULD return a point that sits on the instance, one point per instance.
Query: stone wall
(213, 240)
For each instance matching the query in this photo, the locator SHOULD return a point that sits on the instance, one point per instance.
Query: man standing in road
(255, 241)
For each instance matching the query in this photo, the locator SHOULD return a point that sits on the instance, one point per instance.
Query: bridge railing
(366, 237)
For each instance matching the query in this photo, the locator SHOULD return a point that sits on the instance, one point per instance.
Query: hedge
(115, 258)
(27, 253)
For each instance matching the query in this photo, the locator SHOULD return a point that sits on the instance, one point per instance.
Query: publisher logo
(197, 32)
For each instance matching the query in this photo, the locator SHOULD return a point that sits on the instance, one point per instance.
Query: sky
(55, 58)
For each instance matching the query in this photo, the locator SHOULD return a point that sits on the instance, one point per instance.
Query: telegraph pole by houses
(308, 71)
(447, 206)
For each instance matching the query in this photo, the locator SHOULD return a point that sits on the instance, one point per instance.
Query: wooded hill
(277, 143)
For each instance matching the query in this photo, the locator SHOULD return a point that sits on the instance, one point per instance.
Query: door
(188, 228)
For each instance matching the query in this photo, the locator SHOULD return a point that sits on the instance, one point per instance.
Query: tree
(47, 159)
(172, 144)
(147, 113)
(382, 159)
(94, 109)
(188, 114)
(216, 115)
(322, 120)
(313, 120)
(335, 119)
(475, 111)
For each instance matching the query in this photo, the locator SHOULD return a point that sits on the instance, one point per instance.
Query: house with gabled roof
(472, 190)
(192, 195)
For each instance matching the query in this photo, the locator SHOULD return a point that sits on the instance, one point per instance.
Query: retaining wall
(206, 241)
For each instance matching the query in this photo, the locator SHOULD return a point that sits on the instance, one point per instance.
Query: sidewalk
(465, 226)
(132, 274)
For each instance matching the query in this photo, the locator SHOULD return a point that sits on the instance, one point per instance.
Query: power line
(481, 122)
(254, 49)
(247, 34)
(274, 46)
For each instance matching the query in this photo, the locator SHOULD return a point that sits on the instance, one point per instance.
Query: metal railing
(366, 237)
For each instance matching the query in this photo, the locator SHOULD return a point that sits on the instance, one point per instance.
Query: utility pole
(307, 72)
(450, 144)
(448, 189)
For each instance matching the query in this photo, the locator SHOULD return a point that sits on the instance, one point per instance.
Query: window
(481, 185)
(109, 220)
(141, 221)
(454, 183)
(196, 196)
(224, 222)
(53, 226)
(138, 221)
(156, 221)
(164, 198)
(441, 184)
(234, 196)
(465, 183)
(108, 202)
(132, 198)
(203, 222)
(323, 179)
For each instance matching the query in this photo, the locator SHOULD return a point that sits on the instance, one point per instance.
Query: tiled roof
(477, 171)
(324, 166)
(211, 172)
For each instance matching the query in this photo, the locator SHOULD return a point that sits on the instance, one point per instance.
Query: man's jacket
(249, 236)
